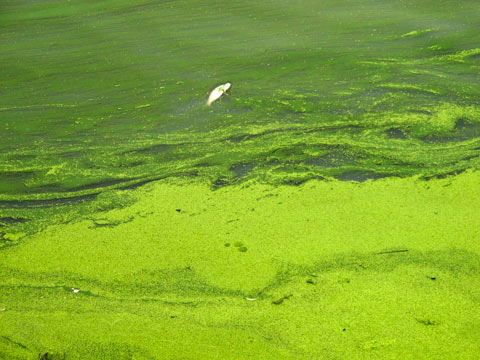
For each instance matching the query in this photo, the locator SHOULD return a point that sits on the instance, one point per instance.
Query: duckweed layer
(327, 208)
(336, 269)
(109, 96)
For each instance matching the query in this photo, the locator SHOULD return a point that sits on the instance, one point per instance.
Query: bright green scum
(325, 209)
(326, 270)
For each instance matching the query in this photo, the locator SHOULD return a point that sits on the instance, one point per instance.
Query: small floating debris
(43, 356)
(281, 300)
(142, 106)
(110, 222)
(75, 290)
(218, 92)
(427, 322)
(416, 33)
(250, 299)
(393, 251)
(102, 222)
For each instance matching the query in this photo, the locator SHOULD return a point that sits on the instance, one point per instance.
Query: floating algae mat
(327, 208)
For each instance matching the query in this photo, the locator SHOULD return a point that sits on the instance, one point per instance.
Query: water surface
(102, 95)
(326, 208)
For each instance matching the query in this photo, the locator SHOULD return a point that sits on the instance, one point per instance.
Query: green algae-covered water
(326, 209)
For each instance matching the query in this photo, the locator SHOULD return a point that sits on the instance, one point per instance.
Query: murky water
(108, 95)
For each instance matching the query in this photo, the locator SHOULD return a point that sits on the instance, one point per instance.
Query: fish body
(218, 92)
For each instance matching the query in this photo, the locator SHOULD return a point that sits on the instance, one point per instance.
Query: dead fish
(218, 92)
